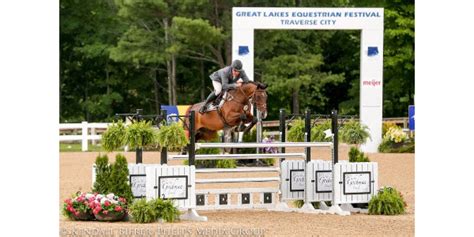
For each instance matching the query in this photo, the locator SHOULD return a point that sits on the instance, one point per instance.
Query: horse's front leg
(241, 127)
(250, 126)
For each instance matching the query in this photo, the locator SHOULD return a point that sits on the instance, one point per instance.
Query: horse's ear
(261, 86)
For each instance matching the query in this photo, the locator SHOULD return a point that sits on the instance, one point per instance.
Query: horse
(236, 110)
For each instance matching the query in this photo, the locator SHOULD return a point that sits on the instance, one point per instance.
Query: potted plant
(109, 207)
(78, 207)
(172, 136)
(354, 133)
(114, 137)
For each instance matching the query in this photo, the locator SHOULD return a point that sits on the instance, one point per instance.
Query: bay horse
(236, 110)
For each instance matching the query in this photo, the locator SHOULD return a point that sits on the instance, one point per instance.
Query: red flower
(106, 203)
(118, 208)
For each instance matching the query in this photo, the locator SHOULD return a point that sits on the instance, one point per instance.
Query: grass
(74, 147)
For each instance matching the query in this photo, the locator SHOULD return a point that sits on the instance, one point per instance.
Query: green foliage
(296, 132)
(388, 146)
(250, 136)
(140, 134)
(224, 163)
(195, 32)
(119, 178)
(172, 137)
(77, 147)
(114, 137)
(354, 132)
(298, 73)
(355, 155)
(300, 203)
(386, 126)
(395, 140)
(388, 201)
(102, 174)
(123, 57)
(165, 210)
(142, 211)
(398, 56)
(317, 132)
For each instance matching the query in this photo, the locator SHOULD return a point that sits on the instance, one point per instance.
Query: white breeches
(217, 87)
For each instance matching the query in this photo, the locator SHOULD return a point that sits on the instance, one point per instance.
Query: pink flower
(106, 212)
(95, 212)
(122, 200)
(91, 199)
(106, 203)
(118, 208)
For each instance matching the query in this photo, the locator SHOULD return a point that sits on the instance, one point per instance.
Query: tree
(399, 60)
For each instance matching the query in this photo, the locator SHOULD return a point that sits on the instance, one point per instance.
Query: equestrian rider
(229, 77)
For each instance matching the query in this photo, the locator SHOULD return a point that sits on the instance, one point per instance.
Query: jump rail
(263, 145)
(238, 170)
(241, 156)
(238, 180)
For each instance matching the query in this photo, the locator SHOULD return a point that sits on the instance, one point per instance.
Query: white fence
(167, 182)
(85, 135)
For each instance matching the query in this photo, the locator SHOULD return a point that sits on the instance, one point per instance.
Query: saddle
(217, 103)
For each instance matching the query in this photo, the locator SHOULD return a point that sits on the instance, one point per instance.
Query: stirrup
(202, 110)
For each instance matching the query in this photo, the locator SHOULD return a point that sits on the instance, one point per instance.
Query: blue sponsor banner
(372, 51)
(411, 117)
(171, 110)
(243, 50)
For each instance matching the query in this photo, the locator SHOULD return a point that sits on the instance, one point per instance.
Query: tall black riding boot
(210, 97)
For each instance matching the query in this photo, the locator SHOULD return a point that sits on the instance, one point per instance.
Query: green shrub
(355, 155)
(114, 137)
(119, 178)
(142, 211)
(388, 146)
(172, 136)
(386, 126)
(388, 201)
(165, 210)
(354, 132)
(102, 174)
(226, 163)
(140, 134)
(296, 132)
(251, 136)
(317, 132)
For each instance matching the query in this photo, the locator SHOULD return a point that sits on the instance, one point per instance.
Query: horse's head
(259, 97)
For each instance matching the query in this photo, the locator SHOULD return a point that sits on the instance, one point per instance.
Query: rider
(229, 77)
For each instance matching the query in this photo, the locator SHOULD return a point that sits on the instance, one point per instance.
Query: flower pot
(111, 216)
(83, 216)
